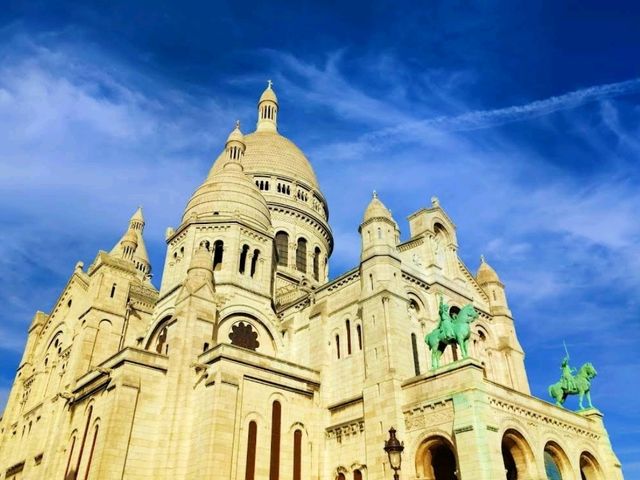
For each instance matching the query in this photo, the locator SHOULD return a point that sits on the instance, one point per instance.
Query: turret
(131, 246)
(201, 268)
(379, 231)
(234, 147)
(488, 279)
(511, 370)
(268, 110)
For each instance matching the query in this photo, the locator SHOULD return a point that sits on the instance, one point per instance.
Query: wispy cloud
(82, 145)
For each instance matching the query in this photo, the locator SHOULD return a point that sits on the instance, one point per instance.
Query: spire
(268, 110)
(137, 220)
(131, 246)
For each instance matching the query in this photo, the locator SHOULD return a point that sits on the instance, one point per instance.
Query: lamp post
(394, 448)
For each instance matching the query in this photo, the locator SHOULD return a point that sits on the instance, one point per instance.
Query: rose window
(243, 335)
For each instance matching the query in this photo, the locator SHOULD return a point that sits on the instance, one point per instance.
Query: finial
(269, 83)
(375, 194)
(238, 124)
(435, 201)
(482, 259)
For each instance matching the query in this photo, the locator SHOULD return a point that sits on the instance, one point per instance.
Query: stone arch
(556, 463)
(416, 305)
(342, 473)
(589, 467)
(152, 328)
(58, 333)
(436, 459)
(158, 339)
(106, 342)
(519, 462)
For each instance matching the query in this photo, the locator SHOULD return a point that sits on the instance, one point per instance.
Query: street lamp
(394, 448)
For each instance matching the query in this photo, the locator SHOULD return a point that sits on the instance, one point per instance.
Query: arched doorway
(436, 460)
(556, 464)
(589, 467)
(517, 456)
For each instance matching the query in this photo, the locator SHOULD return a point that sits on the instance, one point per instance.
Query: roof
(270, 153)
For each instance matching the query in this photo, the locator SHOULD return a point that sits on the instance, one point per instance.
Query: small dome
(236, 135)
(376, 209)
(230, 194)
(486, 274)
(268, 94)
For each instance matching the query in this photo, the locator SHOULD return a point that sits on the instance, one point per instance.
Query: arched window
(517, 456)
(589, 467)
(359, 331)
(282, 247)
(250, 470)
(439, 460)
(218, 251)
(113, 290)
(274, 467)
(254, 262)
(551, 467)
(66, 471)
(84, 439)
(93, 447)
(297, 455)
(379, 232)
(301, 255)
(243, 335)
(338, 346)
(348, 326)
(316, 263)
(416, 360)
(556, 464)
(161, 341)
(357, 475)
(341, 476)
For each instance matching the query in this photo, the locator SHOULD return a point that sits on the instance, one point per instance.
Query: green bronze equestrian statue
(570, 384)
(451, 330)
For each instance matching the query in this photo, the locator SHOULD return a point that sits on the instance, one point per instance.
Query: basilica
(251, 362)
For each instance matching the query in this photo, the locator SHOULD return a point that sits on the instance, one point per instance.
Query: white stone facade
(249, 363)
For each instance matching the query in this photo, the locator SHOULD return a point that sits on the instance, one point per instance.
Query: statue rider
(567, 381)
(446, 322)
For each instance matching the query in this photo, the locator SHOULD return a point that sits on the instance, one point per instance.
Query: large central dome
(269, 153)
(284, 197)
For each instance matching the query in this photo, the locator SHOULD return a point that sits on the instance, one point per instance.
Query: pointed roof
(141, 252)
(137, 216)
(486, 273)
(134, 234)
(376, 209)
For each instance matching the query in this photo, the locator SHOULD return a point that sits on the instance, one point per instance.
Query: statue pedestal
(591, 413)
(445, 380)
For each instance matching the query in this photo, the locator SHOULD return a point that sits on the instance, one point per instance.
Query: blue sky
(523, 119)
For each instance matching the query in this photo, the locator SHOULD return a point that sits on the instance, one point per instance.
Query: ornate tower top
(268, 110)
(235, 147)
